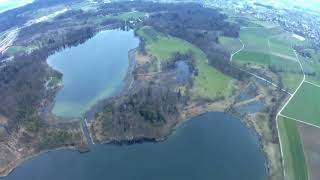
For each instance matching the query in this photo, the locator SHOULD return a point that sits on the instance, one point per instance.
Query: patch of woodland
(150, 112)
(194, 23)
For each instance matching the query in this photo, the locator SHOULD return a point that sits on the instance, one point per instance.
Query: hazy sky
(310, 4)
(10, 4)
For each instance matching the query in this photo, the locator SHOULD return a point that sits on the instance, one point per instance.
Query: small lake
(91, 71)
(211, 146)
(184, 73)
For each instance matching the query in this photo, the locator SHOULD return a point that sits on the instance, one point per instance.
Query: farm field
(291, 80)
(162, 46)
(209, 83)
(130, 15)
(293, 155)
(271, 48)
(231, 44)
(248, 21)
(281, 45)
(256, 39)
(305, 105)
(312, 66)
(310, 140)
(251, 57)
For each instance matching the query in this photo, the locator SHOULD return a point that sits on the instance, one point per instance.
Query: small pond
(183, 72)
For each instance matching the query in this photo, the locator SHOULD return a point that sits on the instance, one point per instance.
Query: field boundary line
(252, 74)
(281, 148)
(279, 114)
(303, 150)
(312, 83)
(286, 103)
(300, 121)
(231, 58)
(286, 57)
(303, 80)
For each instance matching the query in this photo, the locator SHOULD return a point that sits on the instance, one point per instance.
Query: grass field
(259, 58)
(271, 47)
(162, 46)
(256, 49)
(311, 66)
(294, 160)
(291, 80)
(256, 39)
(305, 105)
(210, 83)
(266, 24)
(282, 45)
(248, 21)
(285, 65)
(231, 44)
(12, 50)
(130, 15)
(243, 22)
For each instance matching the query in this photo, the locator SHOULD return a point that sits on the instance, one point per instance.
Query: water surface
(183, 72)
(92, 71)
(211, 146)
(251, 107)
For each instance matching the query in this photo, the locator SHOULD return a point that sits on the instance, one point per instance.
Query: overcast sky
(10, 4)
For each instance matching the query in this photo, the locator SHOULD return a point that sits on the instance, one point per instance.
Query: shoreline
(185, 116)
(141, 140)
(16, 164)
(124, 87)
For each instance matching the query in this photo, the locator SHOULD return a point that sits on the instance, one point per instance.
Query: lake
(91, 71)
(211, 146)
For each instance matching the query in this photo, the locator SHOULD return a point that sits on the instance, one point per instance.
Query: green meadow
(231, 44)
(12, 50)
(130, 15)
(291, 80)
(305, 105)
(294, 160)
(251, 57)
(209, 83)
(311, 66)
(271, 47)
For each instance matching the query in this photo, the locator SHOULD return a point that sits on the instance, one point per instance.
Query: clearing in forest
(208, 83)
